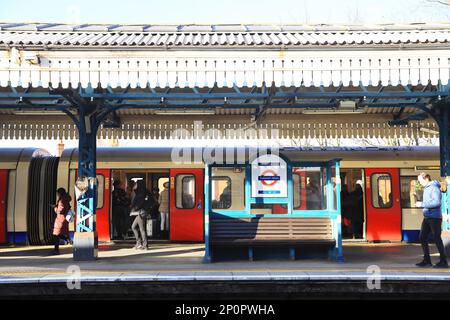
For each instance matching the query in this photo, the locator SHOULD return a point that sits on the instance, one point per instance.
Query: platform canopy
(268, 75)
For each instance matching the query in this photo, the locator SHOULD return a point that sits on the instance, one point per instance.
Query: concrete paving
(183, 262)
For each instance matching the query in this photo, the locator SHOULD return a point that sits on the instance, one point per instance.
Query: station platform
(177, 270)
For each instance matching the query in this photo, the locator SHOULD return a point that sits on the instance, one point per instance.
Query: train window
(381, 190)
(228, 188)
(315, 187)
(185, 191)
(100, 190)
(411, 192)
(221, 193)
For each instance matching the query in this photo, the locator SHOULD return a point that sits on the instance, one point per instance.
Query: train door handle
(199, 205)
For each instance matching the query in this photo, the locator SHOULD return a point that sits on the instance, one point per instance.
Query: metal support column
(86, 239)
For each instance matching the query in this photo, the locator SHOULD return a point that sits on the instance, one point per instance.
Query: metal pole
(86, 239)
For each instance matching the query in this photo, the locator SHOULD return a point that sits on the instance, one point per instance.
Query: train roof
(126, 154)
(10, 157)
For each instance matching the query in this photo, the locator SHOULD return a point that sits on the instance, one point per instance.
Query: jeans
(164, 221)
(139, 223)
(434, 226)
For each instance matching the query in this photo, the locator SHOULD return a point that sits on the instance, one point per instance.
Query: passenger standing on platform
(120, 204)
(432, 221)
(61, 225)
(141, 206)
(164, 209)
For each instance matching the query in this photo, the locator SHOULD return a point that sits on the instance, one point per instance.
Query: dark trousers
(434, 226)
(139, 224)
(57, 239)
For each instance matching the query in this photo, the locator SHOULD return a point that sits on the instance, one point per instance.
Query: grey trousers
(139, 223)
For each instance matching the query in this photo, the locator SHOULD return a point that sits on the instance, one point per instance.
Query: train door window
(100, 190)
(381, 184)
(411, 192)
(185, 191)
(228, 188)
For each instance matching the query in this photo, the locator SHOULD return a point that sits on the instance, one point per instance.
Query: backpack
(148, 205)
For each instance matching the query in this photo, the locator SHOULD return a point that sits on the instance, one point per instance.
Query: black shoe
(424, 264)
(441, 264)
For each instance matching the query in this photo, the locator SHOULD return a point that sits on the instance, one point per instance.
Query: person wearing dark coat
(138, 209)
(357, 211)
(345, 210)
(120, 204)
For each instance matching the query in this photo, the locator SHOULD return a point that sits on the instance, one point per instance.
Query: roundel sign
(269, 177)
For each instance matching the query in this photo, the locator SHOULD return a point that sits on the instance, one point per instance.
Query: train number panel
(383, 205)
(186, 205)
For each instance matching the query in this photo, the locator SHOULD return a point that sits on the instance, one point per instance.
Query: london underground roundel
(269, 177)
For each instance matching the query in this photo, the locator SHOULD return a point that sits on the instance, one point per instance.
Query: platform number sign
(269, 177)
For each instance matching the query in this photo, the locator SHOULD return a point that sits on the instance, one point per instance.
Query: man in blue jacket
(432, 221)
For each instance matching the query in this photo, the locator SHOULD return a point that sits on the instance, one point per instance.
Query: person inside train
(164, 210)
(432, 221)
(345, 211)
(357, 210)
(61, 225)
(120, 205)
(143, 203)
(225, 196)
(312, 195)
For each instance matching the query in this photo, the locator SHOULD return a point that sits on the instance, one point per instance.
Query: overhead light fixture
(332, 111)
(190, 112)
(430, 131)
(38, 113)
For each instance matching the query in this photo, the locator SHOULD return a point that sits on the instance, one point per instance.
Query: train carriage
(391, 198)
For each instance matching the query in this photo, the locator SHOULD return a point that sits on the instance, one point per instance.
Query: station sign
(269, 177)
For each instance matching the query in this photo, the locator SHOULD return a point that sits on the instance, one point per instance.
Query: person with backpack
(141, 207)
(432, 221)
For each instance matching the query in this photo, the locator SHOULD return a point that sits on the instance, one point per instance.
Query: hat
(360, 183)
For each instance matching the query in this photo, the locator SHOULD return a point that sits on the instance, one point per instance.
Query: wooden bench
(265, 231)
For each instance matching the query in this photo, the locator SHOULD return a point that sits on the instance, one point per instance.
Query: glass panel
(314, 195)
(381, 184)
(100, 190)
(185, 191)
(228, 188)
(297, 185)
(411, 192)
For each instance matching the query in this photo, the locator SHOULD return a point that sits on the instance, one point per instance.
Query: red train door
(186, 205)
(102, 213)
(383, 205)
(3, 195)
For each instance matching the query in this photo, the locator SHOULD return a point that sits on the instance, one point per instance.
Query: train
(29, 178)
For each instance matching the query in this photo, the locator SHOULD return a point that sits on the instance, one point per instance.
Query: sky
(225, 11)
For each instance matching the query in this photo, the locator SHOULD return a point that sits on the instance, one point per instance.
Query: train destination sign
(269, 177)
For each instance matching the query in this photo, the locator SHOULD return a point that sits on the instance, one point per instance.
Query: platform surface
(183, 262)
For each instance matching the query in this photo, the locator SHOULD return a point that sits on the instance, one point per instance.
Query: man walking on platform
(432, 221)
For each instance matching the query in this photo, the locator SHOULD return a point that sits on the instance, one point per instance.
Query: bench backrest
(265, 228)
